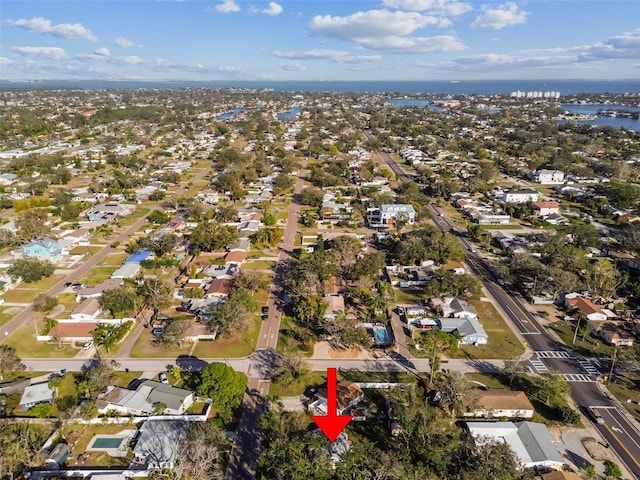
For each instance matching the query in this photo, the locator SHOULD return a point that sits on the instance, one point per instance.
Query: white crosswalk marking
(577, 377)
(588, 367)
(553, 354)
(538, 365)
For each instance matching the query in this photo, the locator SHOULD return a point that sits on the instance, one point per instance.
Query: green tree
(290, 368)
(435, 342)
(159, 217)
(210, 236)
(155, 292)
(105, 336)
(43, 303)
(9, 361)
(119, 301)
(612, 469)
(30, 270)
(553, 390)
(173, 332)
(228, 316)
(224, 386)
(312, 197)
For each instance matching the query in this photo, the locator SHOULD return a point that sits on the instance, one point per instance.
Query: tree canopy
(224, 386)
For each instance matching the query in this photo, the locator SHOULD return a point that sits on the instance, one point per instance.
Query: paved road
(624, 439)
(88, 264)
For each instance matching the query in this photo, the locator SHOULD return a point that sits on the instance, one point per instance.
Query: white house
(498, 403)
(457, 307)
(520, 196)
(387, 215)
(86, 311)
(548, 177)
(35, 394)
(469, 330)
(531, 442)
(544, 209)
(143, 399)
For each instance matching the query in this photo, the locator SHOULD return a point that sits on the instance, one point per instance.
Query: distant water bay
(484, 87)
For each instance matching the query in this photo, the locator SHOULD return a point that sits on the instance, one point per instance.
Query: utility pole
(613, 363)
(575, 334)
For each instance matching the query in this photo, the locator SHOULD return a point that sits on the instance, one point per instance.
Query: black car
(265, 309)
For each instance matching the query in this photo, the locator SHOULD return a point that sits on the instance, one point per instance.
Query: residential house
(98, 290)
(544, 209)
(71, 332)
(58, 457)
(8, 179)
(490, 219)
(531, 442)
(142, 400)
(43, 249)
(138, 257)
(157, 445)
(236, 257)
(611, 332)
(497, 403)
(629, 261)
(520, 196)
(208, 196)
(348, 395)
(468, 330)
(389, 214)
(86, 311)
(335, 305)
(457, 307)
(548, 177)
(106, 212)
(128, 270)
(35, 394)
(586, 306)
(220, 287)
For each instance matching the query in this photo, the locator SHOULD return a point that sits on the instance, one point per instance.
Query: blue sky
(319, 40)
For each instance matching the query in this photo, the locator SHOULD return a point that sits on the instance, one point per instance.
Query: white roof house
(128, 270)
(531, 442)
(35, 394)
(158, 443)
(469, 330)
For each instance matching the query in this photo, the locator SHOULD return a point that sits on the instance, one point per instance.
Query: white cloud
(54, 53)
(292, 67)
(227, 6)
(500, 17)
(439, 43)
(336, 56)
(273, 9)
(386, 30)
(103, 51)
(626, 45)
(436, 7)
(5, 61)
(370, 24)
(123, 42)
(64, 30)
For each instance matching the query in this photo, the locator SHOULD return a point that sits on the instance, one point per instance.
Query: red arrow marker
(332, 424)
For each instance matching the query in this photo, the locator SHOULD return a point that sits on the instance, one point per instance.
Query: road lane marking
(631, 456)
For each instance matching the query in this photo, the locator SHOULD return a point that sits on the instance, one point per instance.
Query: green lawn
(403, 296)
(5, 317)
(69, 302)
(591, 346)
(503, 344)
(294, 339)
(145, 348)
(239, 345)
(259, 265)
(24, 341)
(98, 275)
(26, 292)
(298, 387)
(123, 379)
(625, 388)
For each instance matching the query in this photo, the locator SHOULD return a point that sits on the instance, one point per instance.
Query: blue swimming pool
(381, 336)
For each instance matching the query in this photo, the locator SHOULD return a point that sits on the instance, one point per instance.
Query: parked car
(163, 378)
(87, 345)
(265, 309)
